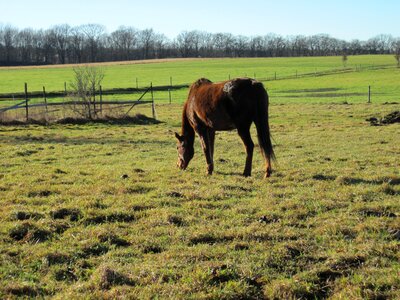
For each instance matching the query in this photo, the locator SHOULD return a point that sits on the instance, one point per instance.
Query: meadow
(101, 211)
(349, 83)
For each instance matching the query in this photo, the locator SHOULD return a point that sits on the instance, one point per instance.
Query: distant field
(350, 86)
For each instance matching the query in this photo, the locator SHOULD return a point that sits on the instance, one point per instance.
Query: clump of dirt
(65, 274)
(110, 218)
(110, 278)
(25, 291)
(51, 259)
(391, 118)
(29, 233)
(96, 249)
(175, 220)
(74, 214)
(26, 215)
(113, 240)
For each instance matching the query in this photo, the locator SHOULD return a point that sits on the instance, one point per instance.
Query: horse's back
(222, 105)
(245, 96)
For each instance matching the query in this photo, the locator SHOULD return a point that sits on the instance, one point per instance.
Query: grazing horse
(226, 105)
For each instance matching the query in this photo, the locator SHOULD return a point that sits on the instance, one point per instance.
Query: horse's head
(185, 151)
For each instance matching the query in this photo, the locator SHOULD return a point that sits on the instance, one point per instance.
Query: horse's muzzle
(181, 164)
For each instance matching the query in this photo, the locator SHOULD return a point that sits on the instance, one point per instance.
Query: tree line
(63, 44)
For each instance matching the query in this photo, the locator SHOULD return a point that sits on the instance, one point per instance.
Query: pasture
(101, 211)
(348, 83)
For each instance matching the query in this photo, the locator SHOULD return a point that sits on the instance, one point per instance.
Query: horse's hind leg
(244, 134)
(211, 138)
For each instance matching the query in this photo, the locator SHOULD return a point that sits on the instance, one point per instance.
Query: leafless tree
(91, 43)
(160, 45)
(61, 37)
(93, 34)
(77, 45)
(257, 46)
(8, 39)
(24, 43)
(186, 43)
(146, 41)
(124, 40)
(241, 45)
(86, 81)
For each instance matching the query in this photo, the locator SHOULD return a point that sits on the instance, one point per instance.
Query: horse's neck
(187, 129)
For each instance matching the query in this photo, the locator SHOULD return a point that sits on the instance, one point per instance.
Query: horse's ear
(179, 137)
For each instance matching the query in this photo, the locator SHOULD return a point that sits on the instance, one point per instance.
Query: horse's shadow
(229, 173)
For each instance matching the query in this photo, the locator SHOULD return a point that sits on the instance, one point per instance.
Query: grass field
(101, 211)
(351, 86)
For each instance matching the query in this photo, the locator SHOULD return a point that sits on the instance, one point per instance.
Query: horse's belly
(221, 125)
(216, 119)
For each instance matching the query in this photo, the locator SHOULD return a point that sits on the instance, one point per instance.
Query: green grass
(326, 224)
(96, 211)
(124, 76)
(351, 86)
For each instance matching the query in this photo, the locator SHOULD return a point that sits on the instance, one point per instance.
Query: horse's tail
(262, 124)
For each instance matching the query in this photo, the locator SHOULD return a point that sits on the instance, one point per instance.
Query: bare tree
(61, 35)
(47, 47)
(185, 43)
(8, 39)
(241, 45)
(123, 40)
(160, 44)
(24, 44)
(86, 81)
(146, 40)
(90, 43)
(257, 46)
(93, 34)
(77, 45)
(395, 48)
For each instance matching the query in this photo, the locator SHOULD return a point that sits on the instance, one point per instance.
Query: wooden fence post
(169, 90)
(94, 99)
(101, 99)
(153, 108)
(45, 102)
(137, 85)
(369, 94)
(65, 89)
(26, 102)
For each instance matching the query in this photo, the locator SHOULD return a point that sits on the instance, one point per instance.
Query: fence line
(170, 87)
(92, 102)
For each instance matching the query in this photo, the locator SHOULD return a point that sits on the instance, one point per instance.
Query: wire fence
(49, 106)
(44, 111)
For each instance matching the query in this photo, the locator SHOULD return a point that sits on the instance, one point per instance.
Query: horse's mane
(200, 82)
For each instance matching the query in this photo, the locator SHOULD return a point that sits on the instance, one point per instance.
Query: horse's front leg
(207, 137)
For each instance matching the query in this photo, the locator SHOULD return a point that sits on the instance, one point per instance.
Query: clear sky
(345, 19)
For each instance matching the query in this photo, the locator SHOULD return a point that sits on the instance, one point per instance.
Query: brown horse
(226, 105)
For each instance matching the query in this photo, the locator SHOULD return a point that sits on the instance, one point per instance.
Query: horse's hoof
(245, 174)
(268, 174)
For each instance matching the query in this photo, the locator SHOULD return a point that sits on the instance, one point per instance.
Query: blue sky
(347, 20)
